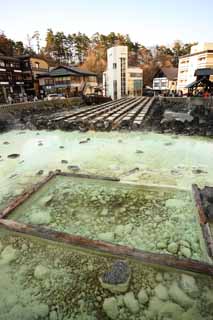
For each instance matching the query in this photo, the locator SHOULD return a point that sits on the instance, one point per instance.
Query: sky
(149, 22)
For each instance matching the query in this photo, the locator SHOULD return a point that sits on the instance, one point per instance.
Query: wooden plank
(25, 195)
(153, 259)
(198, 202)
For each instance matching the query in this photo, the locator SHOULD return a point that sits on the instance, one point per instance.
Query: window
(135, 75)
(37, 65)
(1, 63)
(114, 65)
(123, 76)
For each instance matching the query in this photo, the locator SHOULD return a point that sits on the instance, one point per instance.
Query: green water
(43, 280)
(150, 219)
(166, 160)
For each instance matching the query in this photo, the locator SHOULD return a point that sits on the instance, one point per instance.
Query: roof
(3, 57)
(196, 53)
(170, 72)
(62, 71)
(196, 82)
(204, 72)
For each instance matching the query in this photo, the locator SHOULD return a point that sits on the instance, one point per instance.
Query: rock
(159, 277)
(6, 142)
(40, 172)
(143, 297)
(45, 201)
(13, 156)
(198, 171)
(41, 310)
(154, 306)
(162, 245)
(73, 168)
(139, 151)
(61, 147)
(118, 278)
(40, 144)
(1, 246)
(186, 252)
(173, 248)
(8, 255)
(161, 292)
(131, 303)
(175, 203)
(40, 217)
(179, 296)
(110, 308)
(192, 314)
(53, 315)
(41, 272)
(189, 286)
(106, 236)
(170, 311)
(64, 161)
(104, 212)
(84, 141)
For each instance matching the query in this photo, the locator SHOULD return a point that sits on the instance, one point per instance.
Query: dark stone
(209, 212)
(198, 171)
(118, 274)
(207, 192)
(168, 144)
(73, 168)
(40, 144)
(40, 172)
(13, 156)
(22, 132)
(6, 142)
(139, 151)
(85, 141)
(64, 161)
(13, 176)
(61, 147)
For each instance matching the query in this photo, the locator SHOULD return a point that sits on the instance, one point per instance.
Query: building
(118, 79)
(200, 57)
(165, 80)
(70, 81)
(202, 84)
(15, 77)
(18, 76)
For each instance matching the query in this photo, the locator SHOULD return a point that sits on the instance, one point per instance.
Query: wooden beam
(198, 202)
(153, 259)
(87, 176)
(25, 195)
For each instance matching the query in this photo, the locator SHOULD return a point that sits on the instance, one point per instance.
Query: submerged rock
(41, 272)
(110, 307)
(40, 217)
(143, 297)
(186, 252)
(64, 161)
(118, 278)
(106, 236)
(13, 155)
(175, 203)
(6, 142)
(8, 255)
(131, 303)
(73, 168)
(173, 247)
(188, 284)
(161, 292)
(179, 296)
(40, 172)
(171, 311)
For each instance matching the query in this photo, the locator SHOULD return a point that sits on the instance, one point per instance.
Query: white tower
(115, 79)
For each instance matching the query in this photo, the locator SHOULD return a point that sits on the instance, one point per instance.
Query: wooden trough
(148, 258)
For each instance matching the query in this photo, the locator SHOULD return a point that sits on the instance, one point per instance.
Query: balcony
(34, 69)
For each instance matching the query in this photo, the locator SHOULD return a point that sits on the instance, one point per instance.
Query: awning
(194, 83)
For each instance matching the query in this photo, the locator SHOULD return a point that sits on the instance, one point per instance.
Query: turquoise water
(151, 219)
(166, 160)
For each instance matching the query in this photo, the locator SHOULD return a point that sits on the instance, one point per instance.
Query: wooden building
(165, 80)
(69, 81)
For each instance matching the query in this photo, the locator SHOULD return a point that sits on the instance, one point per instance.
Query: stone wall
(40, 105)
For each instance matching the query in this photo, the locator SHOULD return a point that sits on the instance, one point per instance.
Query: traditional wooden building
(165, 80)
(69, 81)
(18, 76)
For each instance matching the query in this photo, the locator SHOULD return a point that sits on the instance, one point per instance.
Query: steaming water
(41, 280)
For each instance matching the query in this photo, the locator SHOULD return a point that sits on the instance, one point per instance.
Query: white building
(118, 79)
(200, 57)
